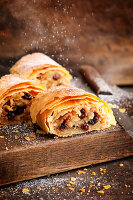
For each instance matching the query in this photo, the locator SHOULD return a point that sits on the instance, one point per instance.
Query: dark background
(72, 32)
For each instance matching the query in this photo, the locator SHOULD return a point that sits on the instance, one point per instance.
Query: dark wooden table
(117, 174)
(112, 180)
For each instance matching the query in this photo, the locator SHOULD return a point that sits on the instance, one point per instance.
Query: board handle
(95, 80)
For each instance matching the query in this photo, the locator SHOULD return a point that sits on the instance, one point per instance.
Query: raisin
(27, 96)
(39, 77)
(85, 127)
(18, 111)
(56, 76)
(10, 115)
(63, 125)
(83, 113)
(94, 120)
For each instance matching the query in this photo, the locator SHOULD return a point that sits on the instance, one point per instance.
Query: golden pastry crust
(39, 67)
(65, 111)
(16, 95)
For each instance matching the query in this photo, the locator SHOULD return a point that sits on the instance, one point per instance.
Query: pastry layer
(16, 95)
(66, 111)
(39, 67)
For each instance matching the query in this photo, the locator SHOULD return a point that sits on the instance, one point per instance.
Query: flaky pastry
(16, 95)
(39, 67)
(65, 111)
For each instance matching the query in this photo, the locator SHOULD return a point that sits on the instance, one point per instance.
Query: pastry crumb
(53, 188)
(121, 164)
(38, 188)
(72, 189)
(1, 136)
(93, 173)
(73, 183)
(100, 191)
(122, 110)
(32, 135)
(127, 185)
(82, 190)
(25, 190)
(102, 170)
(27, 138)
(7, 148)
(16, 137)
(106, 187)
(68, 185)
(15, 131)
(81, 172)
(98, 184)
(73, 179)
(90, 186)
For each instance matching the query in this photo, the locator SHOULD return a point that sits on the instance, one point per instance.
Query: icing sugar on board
(25, 154)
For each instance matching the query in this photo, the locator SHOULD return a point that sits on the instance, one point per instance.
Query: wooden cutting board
(25, 154)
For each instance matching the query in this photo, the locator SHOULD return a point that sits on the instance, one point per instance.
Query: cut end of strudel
(39, 67)
(66, 111)
(16, 96)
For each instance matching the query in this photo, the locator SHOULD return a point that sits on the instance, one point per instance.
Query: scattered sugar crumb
(27, 138)
(93, 173)
(121, 165)
(122, 110)
(38, 188)
(82, 190)
(100, 191)
(73, 179)
(1, 136)
(25, 190)
(106, 187)
(81, 172)
(72, 189)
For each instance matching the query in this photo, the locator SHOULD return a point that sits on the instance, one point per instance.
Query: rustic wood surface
(99, 33)
(118, 174)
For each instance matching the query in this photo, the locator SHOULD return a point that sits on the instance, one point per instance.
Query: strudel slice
(66, 111)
